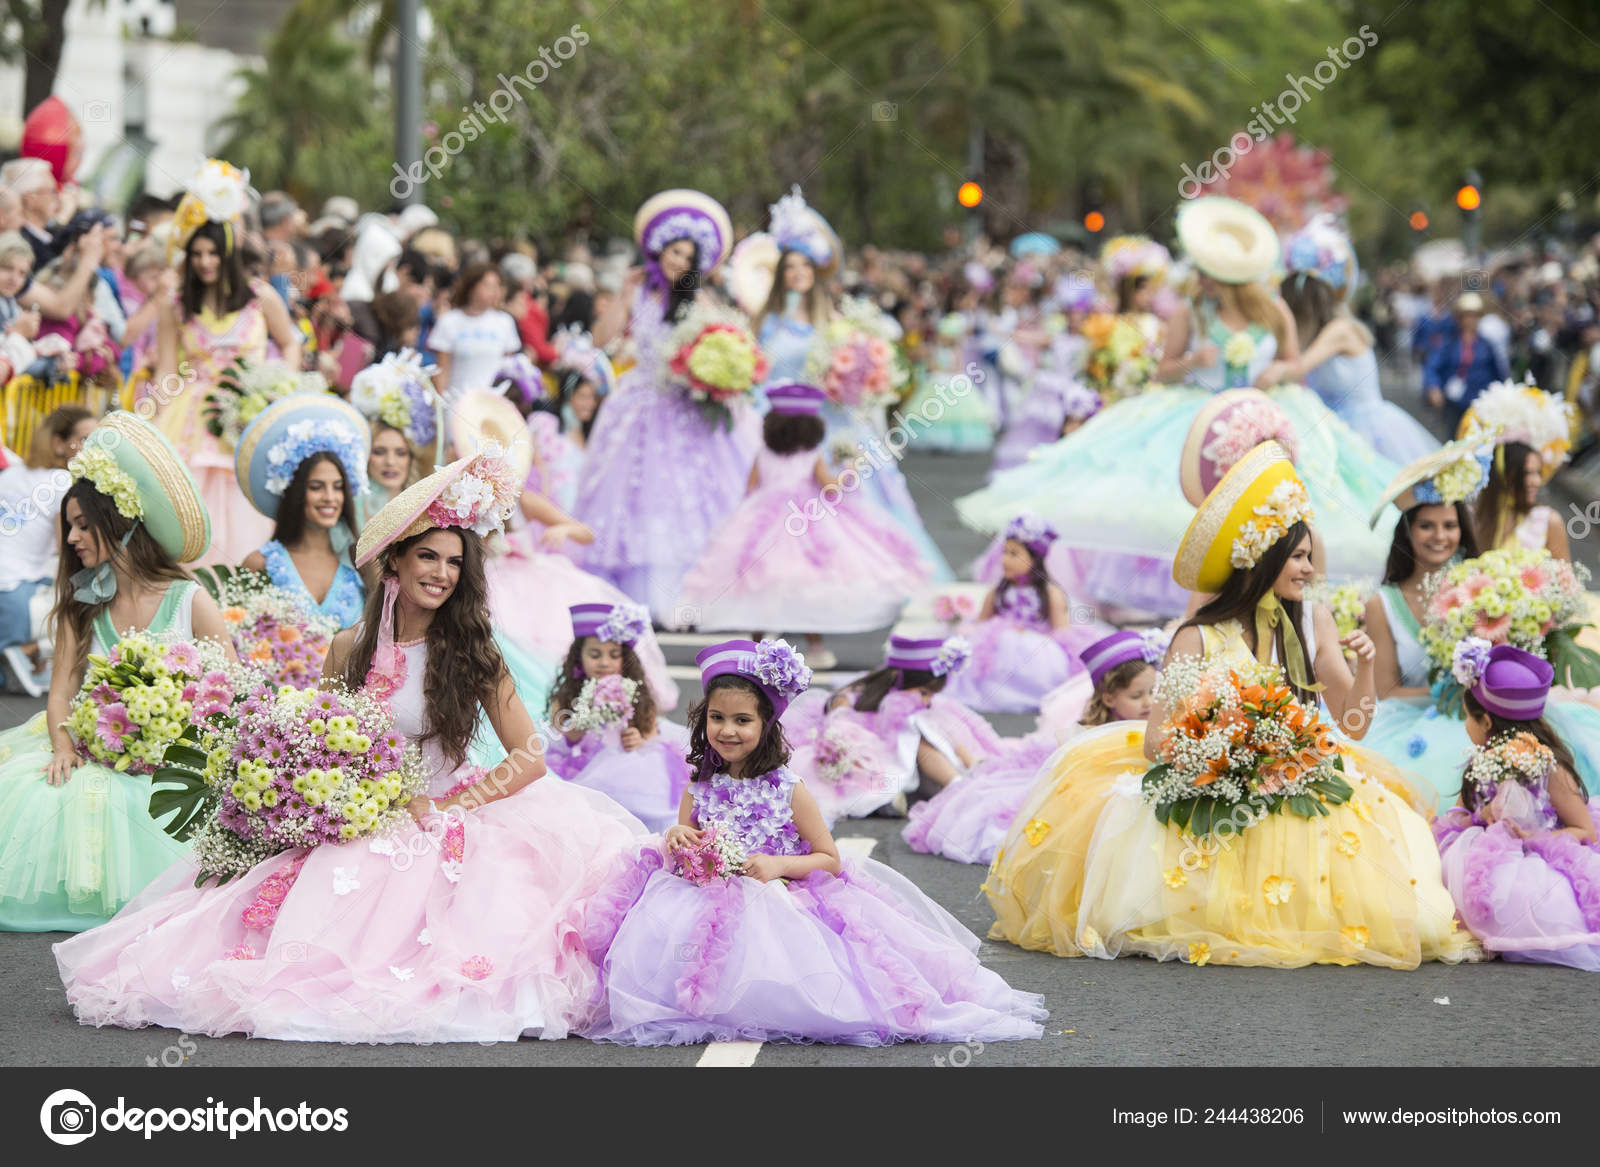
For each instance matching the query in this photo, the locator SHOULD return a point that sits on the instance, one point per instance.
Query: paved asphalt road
(1123, 1012)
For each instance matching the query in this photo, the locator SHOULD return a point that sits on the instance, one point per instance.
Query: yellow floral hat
(219, 192)
(1253, 507)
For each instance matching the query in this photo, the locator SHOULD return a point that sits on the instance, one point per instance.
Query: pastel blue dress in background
(1349, 386)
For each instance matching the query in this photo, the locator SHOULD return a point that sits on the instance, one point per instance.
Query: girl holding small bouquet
(967, 820)
(800, 552)
(610, 737)
(1024, 642)
(1519, 852)
(76, 837)
(878, 739)
(459, 926)
(748, 925)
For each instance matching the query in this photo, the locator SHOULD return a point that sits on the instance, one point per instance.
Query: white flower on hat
(222, 189)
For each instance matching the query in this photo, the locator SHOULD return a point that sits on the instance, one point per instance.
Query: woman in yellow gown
(1087, 869)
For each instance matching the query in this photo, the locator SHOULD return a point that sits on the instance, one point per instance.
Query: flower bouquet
(602, 703)
(1238, 351)
(716, 358)
(136, 699)
(854, 359)
(1238, 738)
(955, 607)
(274, 631)
(246, 388)
(719, 855)
(291, 768)
(1120, 362)
(1347, 602)
(1508, 596)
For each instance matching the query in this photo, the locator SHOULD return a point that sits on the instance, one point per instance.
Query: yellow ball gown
(1087, 870)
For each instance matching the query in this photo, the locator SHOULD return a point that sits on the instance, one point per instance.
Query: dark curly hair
(787, 433)
(573, 677)
(771, 752)
(465, 668)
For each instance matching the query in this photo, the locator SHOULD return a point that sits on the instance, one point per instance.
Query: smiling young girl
(800, 944)
(462, 928)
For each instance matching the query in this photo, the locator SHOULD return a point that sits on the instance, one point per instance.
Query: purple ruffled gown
(658, 477)
(1533, 899)
(647, 782)
(862, 958)
(1018, 658)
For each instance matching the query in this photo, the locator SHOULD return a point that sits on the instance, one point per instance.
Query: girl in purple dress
(638, 762)
(801, 944)
(1025, 641)
(1519, 853)
(659, 475)
(968, 820)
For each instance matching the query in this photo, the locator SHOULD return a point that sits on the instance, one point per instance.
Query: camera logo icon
(97, 111)
(1474, 280)
(885, 111)
(68, 1117)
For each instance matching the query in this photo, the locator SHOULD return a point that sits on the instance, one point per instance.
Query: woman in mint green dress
(1435, 530)
(76, 838)
(1109, 487)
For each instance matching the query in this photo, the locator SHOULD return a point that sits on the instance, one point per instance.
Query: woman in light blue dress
(1433, 531)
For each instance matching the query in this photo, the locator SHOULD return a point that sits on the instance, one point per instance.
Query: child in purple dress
(1025, 641)
(637, 761)
(801, 944)
(1519, 853)
(968, 820)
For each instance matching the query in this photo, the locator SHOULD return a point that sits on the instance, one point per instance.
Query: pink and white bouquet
(715, 356)
(603, 702)
(275, 632)
(136, 699)
(290, 768)
(1511, 596)
(854, 359)
(720, 854)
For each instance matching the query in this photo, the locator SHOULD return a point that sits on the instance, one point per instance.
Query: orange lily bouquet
(1237, 746)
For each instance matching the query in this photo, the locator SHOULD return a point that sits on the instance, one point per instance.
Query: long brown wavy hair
(1255, 304)
(818, 305)
(573, 677)
(143, 556)
(1503, 504)
(465, 668)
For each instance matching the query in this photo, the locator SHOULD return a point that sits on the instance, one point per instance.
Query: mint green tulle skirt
(1414, 735)
(952, 422)
(71, 855)
(1112, 486)
(535, 680)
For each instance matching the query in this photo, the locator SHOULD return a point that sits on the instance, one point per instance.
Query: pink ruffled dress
(862, 957)
(647, 782)
(788, 560)
(467, 928)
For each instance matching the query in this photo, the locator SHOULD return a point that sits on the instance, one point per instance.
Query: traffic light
(1094, 221)
(969, 195)
(1469, 197)
(1419, 220)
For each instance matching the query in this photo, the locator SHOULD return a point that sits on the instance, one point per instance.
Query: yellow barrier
(27, 401)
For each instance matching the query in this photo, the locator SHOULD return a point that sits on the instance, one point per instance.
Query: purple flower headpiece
(1032, 532)
(952, 656)
(518, 373)
(774, 665)
(621, 623)
(1470, 658)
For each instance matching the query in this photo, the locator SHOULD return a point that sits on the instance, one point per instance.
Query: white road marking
(861, 845)
(739, 1055)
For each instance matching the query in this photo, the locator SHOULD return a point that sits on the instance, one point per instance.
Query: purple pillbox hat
(620, 623)
(937, 655)
(796, 399)
(777, 669)
(1514, 684)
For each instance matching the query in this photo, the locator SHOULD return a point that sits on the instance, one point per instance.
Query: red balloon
(53, 134)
